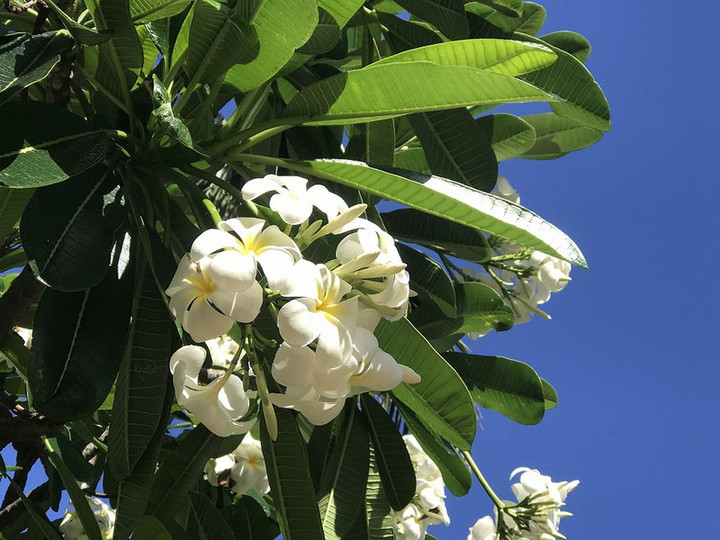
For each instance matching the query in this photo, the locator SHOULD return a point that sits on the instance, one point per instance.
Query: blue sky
(632, 348)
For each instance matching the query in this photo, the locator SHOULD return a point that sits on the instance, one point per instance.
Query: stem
(495, 499)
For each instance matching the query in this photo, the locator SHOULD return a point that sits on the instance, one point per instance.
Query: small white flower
(217, 470)
(71, 526)
(506, 191)
(218, 405)
(249, 470)
(484, 529)
(409, 523)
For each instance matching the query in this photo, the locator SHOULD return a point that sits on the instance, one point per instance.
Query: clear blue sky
(633, 345)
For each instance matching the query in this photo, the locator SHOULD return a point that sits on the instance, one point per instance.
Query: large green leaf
(558, 135)
(78, 342)
(498, 24)
(581, 98)
(380, 143)
(143, 377)
(503, 56)
(507, 386)
(26, 59)
(403, 35)
(513, 8)
(290, 482)
(374, 521)
(455, 473)
(248, 520)
(570, 42)
(395, 89)
(342, 489)
(445, 199)
(391, 455)
(456, 148)
(12, 204)
(509, 135)
(282, 26)
(149, 528)
(341, 10)
(447, 15)
(551, 397)
(428, 279)
(440, 399)
(143, 11)
(41, 144)
(67, 230)
(211, 524)
(324, 37)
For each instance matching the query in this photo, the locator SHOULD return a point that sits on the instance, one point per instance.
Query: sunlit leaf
(558, 135)
(509, 135)
(143, 11)
(570, 42)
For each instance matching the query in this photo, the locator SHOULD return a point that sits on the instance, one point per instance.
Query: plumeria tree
(244, 247)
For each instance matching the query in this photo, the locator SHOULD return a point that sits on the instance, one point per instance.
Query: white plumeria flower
(483, 529)
(319, 311)
(222, 350)
(506, 191)
(238, 245)
(249, 470)
(293, 200)
(409, 524)
(376, 370)
(205, 309)
(217, 470)
(218, 405)
(319, 410)
(71, 526)
(552, 274)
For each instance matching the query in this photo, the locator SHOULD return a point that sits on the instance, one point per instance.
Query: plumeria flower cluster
(326, 312)
(241, 470)
(524, 278)
(535, 516)
(72, 529)
(428, 504)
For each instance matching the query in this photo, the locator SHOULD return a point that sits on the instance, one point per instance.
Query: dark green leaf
(248, 520)
(210, 521)
(13, 259)
(41, 144)
(456, 148)
(341, 10)
(81, 33)
(38, 517)
(324, 37)
(558, 135)
(380, 143)
(78, 342)
(570, 42)
(448, 16)
(501, 25)
(429, 280)
(440, 399)
(67, 230)
(12, 204)
(29, 59)
(319, 449)
(143, 11)
(404, 35)
(551, 397)
(81, 470)
(150, 528)
(391, 454)
(412, 158)
(162, 120)
(290, 482)
(513, 8)
(507, 386)
(509, 135)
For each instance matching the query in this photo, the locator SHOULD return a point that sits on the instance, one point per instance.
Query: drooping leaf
(78, 341)
(456, 148)
(558, 135)
(290, 482)
(445, 199)
(440, 399)
(391, 454)
(26, 59)
(144, 11)
(248, 520)
(551, 397)
(324, 37)
(428, 279)
(67, 230)
(12, 204)
(41, 144)
(507, 386)
(404, 35)
(570, 42)
(211, 524)
(509, 135)
(281, 26)
(448, 16)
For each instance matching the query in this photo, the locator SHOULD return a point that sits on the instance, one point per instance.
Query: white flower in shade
(410, 523)
(319, 410)
(249, 470)
(205, 309)
(484, 529)
(218, 405)
(217, 470)
(71, 526)
(238, 245)
(222, 350)
(506, 191)
(319, 311)
(293, 200)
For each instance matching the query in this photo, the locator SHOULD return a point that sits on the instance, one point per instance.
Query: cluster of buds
(72, 529)
(325, 312)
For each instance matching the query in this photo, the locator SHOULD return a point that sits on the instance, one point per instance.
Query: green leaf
(341, 10)
(503, 56)
(530, 22)
(143, 377)
(558, 135)
(404, 35)
(428, 279)
(513, 8)
(211, 42)
(507, 386)
(77, 496)
(342, 488)
(324, 37)
(143, 11)
(28, 59)
(281, 26)
(412, 158)
(509, 135)
(67, 230)
(81, 470)
(210, 521)
(38, 517)
(447, 15)
(41, 144)
(391, 454)
(455, 473)
(12, 204)
(448, 200)
(456, 148)
(581, 98)
(377, 508)
(380, 143)
(78, 341)
(13, 259)
(440, 399)
(570, 42)
(551, 397)
(248, 520)
(290, 483)
(81, 33)
(150, 528)
(181, 470)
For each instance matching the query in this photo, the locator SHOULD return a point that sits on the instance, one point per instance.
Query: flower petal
(203, 322)
(293, 210)
(299, 323)
(258, 186)
(293, 366)
(211, 241)
(239, 306)
(233, 270)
